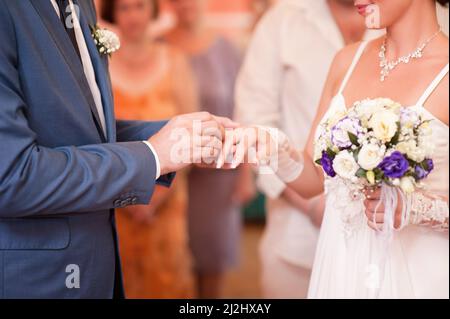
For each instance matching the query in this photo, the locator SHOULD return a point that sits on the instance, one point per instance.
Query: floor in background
(243, 282)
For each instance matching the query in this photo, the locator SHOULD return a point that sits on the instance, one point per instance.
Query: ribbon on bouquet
(389, 199)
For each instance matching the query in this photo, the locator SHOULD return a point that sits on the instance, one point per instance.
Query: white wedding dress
(353, 261)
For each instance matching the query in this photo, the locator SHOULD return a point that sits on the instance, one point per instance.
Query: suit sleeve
(36, 180)
(128, 131)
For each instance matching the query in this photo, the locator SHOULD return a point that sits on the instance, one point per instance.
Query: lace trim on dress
(348, 200)
(426, 211)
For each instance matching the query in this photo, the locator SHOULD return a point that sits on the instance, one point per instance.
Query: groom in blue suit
(65, 163)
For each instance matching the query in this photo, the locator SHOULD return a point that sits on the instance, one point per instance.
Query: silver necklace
(387, 66)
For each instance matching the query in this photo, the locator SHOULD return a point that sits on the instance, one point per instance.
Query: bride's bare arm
(310, 182)
(294, 167)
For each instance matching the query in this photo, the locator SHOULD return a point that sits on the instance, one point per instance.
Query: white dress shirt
(91, 79)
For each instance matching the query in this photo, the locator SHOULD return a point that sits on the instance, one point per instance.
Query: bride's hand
(268, 148)
(375, 210)
(248, 144)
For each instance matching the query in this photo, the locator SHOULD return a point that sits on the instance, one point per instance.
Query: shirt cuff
(158, 164)
(270, 185)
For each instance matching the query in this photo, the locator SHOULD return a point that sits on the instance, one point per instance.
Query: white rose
(407, 185)
(427, 146)
(319, 147)
(414, 152)
(384, 125)
(366, 108)
(336, 117)
(425, 129)
(370, 156)
(406, 146)
(345, 166)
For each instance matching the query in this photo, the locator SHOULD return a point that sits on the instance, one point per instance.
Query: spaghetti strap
(433, 86)
(355, 61)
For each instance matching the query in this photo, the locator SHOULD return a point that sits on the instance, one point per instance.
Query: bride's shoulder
(342, 61)
(443, 46)
(345, 56)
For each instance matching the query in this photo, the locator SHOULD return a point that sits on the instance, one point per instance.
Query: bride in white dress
(352, 259)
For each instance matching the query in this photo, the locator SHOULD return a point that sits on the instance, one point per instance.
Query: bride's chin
(375, 28)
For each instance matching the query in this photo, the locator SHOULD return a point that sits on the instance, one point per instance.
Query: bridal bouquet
(376, 142)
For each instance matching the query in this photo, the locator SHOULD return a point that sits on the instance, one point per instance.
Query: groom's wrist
(157, 162)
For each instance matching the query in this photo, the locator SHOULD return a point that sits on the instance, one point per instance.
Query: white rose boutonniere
(107, 42)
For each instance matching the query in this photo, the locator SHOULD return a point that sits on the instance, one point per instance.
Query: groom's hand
(194, 138)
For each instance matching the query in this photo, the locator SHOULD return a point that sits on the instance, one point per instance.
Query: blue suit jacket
(60, 178)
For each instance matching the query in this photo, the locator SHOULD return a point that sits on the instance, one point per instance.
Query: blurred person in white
(280, 86)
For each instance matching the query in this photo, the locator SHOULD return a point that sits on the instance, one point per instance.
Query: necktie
(65, 14)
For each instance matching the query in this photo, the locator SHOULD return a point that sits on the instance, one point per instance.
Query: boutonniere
(107, 42)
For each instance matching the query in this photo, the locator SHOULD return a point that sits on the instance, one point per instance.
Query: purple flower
(339, 132)
(430, 165)
(409, 115)
(395, 165)
(327, 164)
(421, 171)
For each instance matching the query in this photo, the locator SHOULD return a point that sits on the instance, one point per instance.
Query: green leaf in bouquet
(361, 173)
(318, 162)
(411, 162)
(378, 174)
(331, 153)
(356, 154)
(410, 173)
(353, 138)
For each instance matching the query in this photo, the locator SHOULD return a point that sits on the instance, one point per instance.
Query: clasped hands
(209, 141)
(218, 142)
(375, 210)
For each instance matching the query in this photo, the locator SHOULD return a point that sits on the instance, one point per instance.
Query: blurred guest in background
(158, 27)
(151, 81)
(214, 196)
(280, 86)
(257, 9)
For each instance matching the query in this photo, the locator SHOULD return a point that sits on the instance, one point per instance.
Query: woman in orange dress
(151, 81)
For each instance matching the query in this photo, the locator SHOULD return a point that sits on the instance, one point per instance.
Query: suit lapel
(100, 63)
(56, 30)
